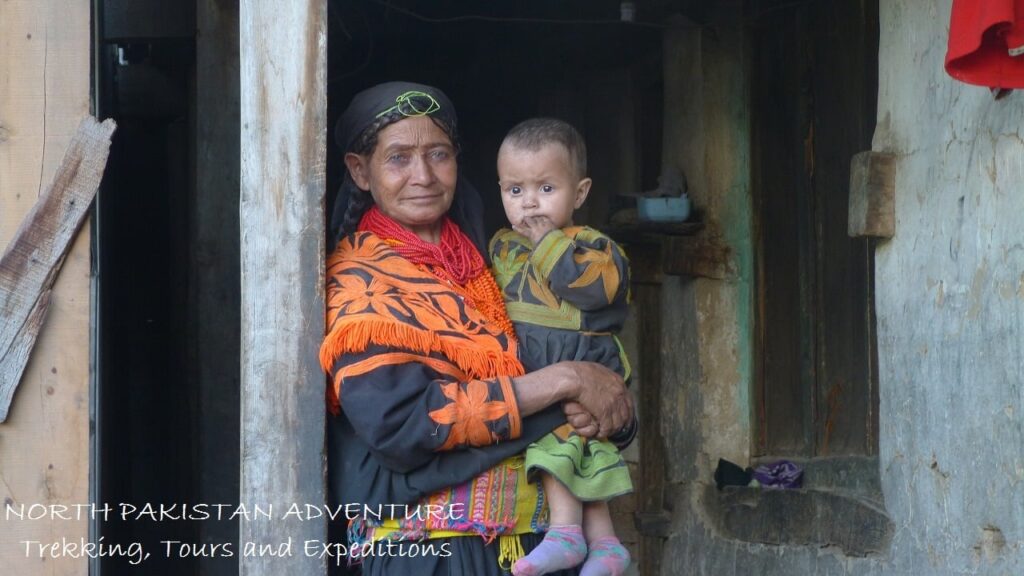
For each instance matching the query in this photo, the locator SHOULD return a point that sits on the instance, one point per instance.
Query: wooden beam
(872, 195)
(32, 260)
(284, 126)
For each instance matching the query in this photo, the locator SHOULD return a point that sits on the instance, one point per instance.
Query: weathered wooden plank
(872, 195)
(31, 261)
(14, 361)
(283, 118)
(214, 269)
(44, 444)
(845, 36)
(779, 133)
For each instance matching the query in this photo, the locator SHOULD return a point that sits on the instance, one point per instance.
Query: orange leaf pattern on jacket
(576, 278)
(541, 291)
(599, 264)
(468, 414)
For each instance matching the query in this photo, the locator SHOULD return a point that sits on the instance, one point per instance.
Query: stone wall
(950, 304)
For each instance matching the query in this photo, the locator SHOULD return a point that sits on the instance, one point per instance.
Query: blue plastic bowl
(666, 209)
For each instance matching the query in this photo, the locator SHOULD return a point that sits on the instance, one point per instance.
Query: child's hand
(534, 227)
(581, 420)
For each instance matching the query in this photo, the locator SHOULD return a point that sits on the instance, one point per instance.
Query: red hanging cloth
(986, 43)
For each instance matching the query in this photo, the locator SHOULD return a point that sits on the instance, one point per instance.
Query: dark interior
(166, 234)
(508, 65)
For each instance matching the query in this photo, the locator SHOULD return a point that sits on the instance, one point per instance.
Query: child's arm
(507, 256)
(588, 269)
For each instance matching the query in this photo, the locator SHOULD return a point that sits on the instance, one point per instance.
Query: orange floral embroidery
(468, 414)
(600, 264)
(376, 295)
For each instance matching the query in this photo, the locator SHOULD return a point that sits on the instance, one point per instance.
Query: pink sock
(563, 547)
(607, 557)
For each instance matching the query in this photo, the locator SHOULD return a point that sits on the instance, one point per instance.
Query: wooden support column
(214, 269)
(283, 128)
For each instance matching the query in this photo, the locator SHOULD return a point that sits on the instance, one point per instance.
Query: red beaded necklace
(453, 260)
(455, 252)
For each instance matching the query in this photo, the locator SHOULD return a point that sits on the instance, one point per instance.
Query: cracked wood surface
(32, 260)
(283, 153)
(44, 444)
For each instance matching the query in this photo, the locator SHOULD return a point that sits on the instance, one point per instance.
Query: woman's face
(411, 174)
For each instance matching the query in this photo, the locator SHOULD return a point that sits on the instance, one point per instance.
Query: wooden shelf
(657, 249)
(651, 232)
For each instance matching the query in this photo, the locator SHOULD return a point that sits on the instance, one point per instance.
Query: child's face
(540, 183)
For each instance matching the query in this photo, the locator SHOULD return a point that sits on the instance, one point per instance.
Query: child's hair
(535, 133)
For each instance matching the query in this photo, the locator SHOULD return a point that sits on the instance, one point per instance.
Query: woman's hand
(602, 393)
(596, 390)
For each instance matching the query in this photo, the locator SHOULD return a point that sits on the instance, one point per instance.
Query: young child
(566, 289)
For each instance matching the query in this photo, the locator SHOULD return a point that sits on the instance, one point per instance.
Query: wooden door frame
(283, 158)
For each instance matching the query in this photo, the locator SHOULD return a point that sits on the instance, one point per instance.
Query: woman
(431, 403)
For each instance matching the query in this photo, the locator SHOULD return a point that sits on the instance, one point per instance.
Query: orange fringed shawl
(375, 296)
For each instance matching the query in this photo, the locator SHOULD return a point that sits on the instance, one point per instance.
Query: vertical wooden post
(652, 520)
(283, 127)
(214, 269)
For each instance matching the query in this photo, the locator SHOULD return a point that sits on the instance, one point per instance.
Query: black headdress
(376, 108)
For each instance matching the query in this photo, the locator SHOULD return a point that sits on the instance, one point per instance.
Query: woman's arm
(407, 406)
(359, 474)
(384, 448)
(408, 410)
(600, 391)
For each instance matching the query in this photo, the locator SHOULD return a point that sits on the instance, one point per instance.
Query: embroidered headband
(413, 103)
(408, 98)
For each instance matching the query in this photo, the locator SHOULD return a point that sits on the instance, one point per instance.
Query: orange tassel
(479, 356)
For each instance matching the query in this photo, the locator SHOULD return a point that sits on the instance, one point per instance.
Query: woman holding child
(431, 401)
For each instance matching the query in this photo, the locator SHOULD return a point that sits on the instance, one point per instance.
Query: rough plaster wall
(950, 304)
(950, 307)
(44, 445)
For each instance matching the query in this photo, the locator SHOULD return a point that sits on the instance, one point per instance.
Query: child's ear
(358, 169)
(582, 189)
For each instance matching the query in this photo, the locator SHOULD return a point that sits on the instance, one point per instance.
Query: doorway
(166, 235)
(815, 89)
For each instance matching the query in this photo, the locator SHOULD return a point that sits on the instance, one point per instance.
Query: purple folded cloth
(782, 475)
